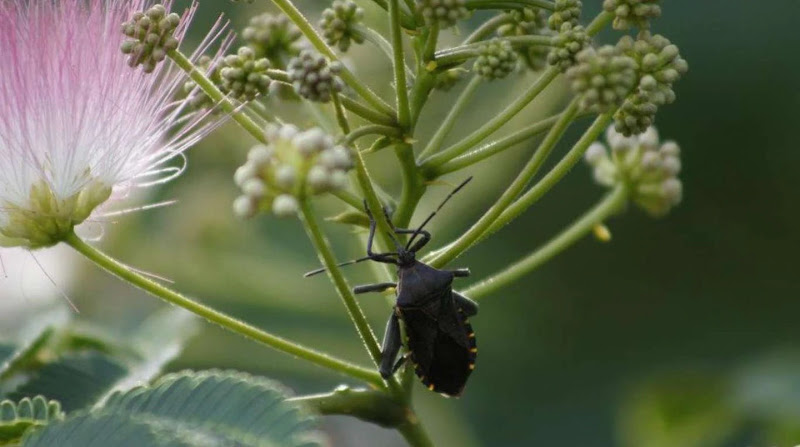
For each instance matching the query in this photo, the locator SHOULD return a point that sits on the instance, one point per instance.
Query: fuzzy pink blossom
(78, 125)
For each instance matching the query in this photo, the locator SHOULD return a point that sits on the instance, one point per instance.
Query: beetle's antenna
(354, 261)
(425, 222)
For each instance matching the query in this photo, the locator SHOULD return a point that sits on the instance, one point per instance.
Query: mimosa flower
(78, 125)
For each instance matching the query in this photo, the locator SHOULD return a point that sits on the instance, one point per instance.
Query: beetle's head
(406, 258)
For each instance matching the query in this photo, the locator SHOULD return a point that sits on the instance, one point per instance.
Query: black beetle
(441, 341)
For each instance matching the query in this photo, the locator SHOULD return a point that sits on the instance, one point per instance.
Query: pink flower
(78, 125)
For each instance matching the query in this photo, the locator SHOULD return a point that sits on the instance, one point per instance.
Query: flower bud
(444, 12)
(497, 59)
(150, 37)
(530, 21)
(632, 13)
(274, 37)
(285, 206)
(313, 77)
(566, 11)
(338, 24)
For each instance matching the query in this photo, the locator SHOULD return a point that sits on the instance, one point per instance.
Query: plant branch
(509, 4)
(457, 55)
(212, 315)
(399, 64)
(311, 34)
(378, 40)
(493, 124)
(531, 168)
(441, 133)
(372, 129)
(216, 95)
(372, 406)
(611, 204)
(366, 112)
(487, 28)
(492, 148)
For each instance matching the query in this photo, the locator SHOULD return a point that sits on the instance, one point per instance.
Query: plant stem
(372, 406)
(414, 433)
(328, 260)
(493, 124)
(531, 168)
(216, 95)
(366, 112)
(311, 34)
(403, 109)
(556, 173)
(341, 116)
(126, 274)
(487, 28)
(441, 133)
(492, 148)
(509, 4)
(457, 55)
(612, 203)
(349, 198)
(413, 185)
(335, 274)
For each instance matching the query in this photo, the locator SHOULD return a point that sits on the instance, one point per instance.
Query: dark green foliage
(16, 418)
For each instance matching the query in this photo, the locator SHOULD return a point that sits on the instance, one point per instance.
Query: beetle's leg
(402, 360)
(460, 273)
(391, 346)
(380, 287)
(469, 307)
(386, 258)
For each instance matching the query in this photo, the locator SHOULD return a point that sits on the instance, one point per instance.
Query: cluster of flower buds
(150, 37)
(528, 22)
(660, 66)
(444, 12)
(292, 165)
(603, 78)
(632, 13)
(566, 11)
(313, 77)
(243, 76)
(274, 37)
(496, 60)
(571, 40)
(339, 22)
(648, 168)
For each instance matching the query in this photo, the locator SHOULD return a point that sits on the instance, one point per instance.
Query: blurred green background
(680, 332)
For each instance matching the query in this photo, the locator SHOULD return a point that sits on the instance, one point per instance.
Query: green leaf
(205, 409)
(102, 430)
(16, 418)
(76, 380)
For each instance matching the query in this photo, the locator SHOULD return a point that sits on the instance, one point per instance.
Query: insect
(441, 341)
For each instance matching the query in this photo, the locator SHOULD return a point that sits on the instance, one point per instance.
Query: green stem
(372, 129)
(441, 133)
(556, 173)
(531, 168)
(216, 95)
(399, 64)
(337, 278)
(545, 184)
(311, 34)
(431, 40)
(372, 406)
(487, 28)
(328, 260)
(489, 149)
(509, 4)
(124, 273)
(495, 123)
(366, 112)
(608, 206)
(413, 185)
(457, 55)
(414, 433)
(341, 116)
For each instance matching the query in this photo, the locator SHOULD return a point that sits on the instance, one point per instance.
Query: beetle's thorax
(419, 283)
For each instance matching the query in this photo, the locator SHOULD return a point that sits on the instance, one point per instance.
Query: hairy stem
(366, 112)
(611, 204)
(372, 129)
(487, 28)
(316, 40)
(531, 168)
(212, 315)
(457, 55)
(414, 433)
